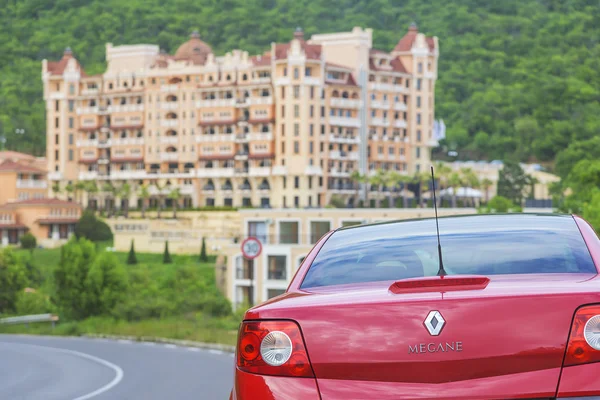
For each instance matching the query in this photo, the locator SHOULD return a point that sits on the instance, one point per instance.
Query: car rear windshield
(486, 245)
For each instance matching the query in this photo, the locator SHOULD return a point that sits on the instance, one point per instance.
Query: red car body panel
(264, 387)
(513, 336)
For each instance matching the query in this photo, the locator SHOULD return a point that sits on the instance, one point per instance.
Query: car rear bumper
(580, 381)
(251, 387)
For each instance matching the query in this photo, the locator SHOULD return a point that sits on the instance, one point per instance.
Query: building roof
(44, 202)
(312, 51)
(407, 41)
(340, 66)
(14, 166)
(261, 60)
(395, 65)
(57, 220)
(15, 155)
(58, 67)
(194, 50)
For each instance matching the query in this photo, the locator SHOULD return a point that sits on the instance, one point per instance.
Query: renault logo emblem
(434, 323)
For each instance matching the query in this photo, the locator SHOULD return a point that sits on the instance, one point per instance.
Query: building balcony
(380, 122)
(169, 156)
(87, 143)
(261, 136)
(31, 184)
(261, 100)
(313, 170)
(104, 143)
(262, 80)
(129, 174)
(128, 141)
(186, 190)
(169, 123)
(243, 102)
(432, 143)
(340, 102)
(88, 92)
(169, 105)
(88, 175)
(279, 170)
(87, 110)
(336, 155)
(400, 123)
(215, 172)
(400, 106)
(282, 81)
(338, 174)
(242, 138)
(55, 176)
(259, 171)
(214, 138)
(169, 139)
(344, 121)
(346, 188)
(344, 139)
(312, 80)
(169, 88)
(241, 155)
(210, 103)
(380, 105)
(387, 87)
(125, 108)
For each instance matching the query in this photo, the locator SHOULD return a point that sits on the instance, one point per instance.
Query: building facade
(282, 129)
(22, 177)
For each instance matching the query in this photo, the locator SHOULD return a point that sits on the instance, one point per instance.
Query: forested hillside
(516, 76)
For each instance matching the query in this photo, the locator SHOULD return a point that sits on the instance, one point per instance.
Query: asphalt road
(52, 368)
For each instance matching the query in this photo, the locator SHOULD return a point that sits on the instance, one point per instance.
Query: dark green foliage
(166, 256)
(106, 285)
(28, 241)
(33, 303)
(131, 258)
(515, 77)
(512, 182)
(13, 279)
(203, 256)
(92, 228)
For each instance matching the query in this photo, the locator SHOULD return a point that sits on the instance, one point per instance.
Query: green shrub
(93, 229)
(13, 279)
(28, 241)
(131, 258)
(500, 204)
(166, 256)
(203, 256)
(33, 303)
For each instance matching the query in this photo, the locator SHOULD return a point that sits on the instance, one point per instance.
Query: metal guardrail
(27, 319)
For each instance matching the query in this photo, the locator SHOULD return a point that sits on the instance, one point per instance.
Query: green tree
(174, 195)
(499, 204)
(28, 241)
(70, 277)
(486, 184)
(92, 192)
(203, 256)
(512, 182)
(144, 195)
(106, 285)
(69, 190)
(377, 180)
(131, 258)
(124, 191)
(454, 183)
(56, 190)
(33, 302)
(166, 255)
(79, 187)
(357, 179)
(13, 278)
(91, 228)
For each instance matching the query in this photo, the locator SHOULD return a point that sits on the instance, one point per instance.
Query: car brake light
(584, 341)
(272, 348)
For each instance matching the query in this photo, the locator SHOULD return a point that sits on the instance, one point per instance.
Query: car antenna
(441, 271)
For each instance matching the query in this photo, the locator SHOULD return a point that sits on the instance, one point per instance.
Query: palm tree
(174, 195)
(454, 183)
(92, 190)
(404, 180)
(357, 178)
(109, 193)
(69, 189)
(144, 194)
(486, 184)
(422, 179)
(124, 192)
(159, 189)
(442, 173)
(377, 180)
(79, 187)
(56, 189)
(470, 180)
(391, 179)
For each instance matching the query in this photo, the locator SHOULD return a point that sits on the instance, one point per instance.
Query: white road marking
(193, 349)
(126, 341)
(170, 346)
(215, 351)
(149, 343)
(118, 371)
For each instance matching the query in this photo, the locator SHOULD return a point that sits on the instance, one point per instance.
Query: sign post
(251, 248)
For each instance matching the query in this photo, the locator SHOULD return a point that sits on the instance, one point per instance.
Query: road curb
(184, 343)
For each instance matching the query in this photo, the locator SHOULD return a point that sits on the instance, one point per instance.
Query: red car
(371, 315)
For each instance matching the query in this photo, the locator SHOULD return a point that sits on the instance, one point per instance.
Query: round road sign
(251, 248)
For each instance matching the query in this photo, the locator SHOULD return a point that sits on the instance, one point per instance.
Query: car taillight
(584, 341)
(272, 348)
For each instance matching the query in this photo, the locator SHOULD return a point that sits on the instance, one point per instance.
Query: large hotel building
(282, 129)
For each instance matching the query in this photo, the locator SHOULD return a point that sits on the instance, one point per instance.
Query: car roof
(471, 223)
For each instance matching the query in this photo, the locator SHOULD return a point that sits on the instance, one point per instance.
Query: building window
(419, 82)
(296, 129)
(274, 293)
(56, 122)
(71, 105)
(308, 71)
(296, 147)
(418, 152)
(288, 232)
(282, 111)
(318, 229)
(56, 155)
(56, 105)
(70, 155)
(283, 147)
(296, 201)
(322, 112)
(312, 92)
(418, 118)
(71, 89)
(296, 182)
(311, 128)
(297, 111)
(55, 139)
(418, 101)
(322, 129)
(71, 122)
(296, 73)
(296, 92)
(282, 130)
(285, 71)
(258, 230)
(418, 136)
(420, 67)
(277, 267)
(312, 111)
(70, 138)
(228, 202)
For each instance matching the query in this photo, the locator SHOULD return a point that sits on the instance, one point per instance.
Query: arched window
(171, 115)
(265, 128)
(345, 95)
(171, 133)
(227, 185)
(244, 77)
(264, 185)
(123, 134)
(171, 149)
(335, 93)
(174, 80)
(171, 97)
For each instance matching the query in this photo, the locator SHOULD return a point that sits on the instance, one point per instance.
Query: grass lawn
(195, 325)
